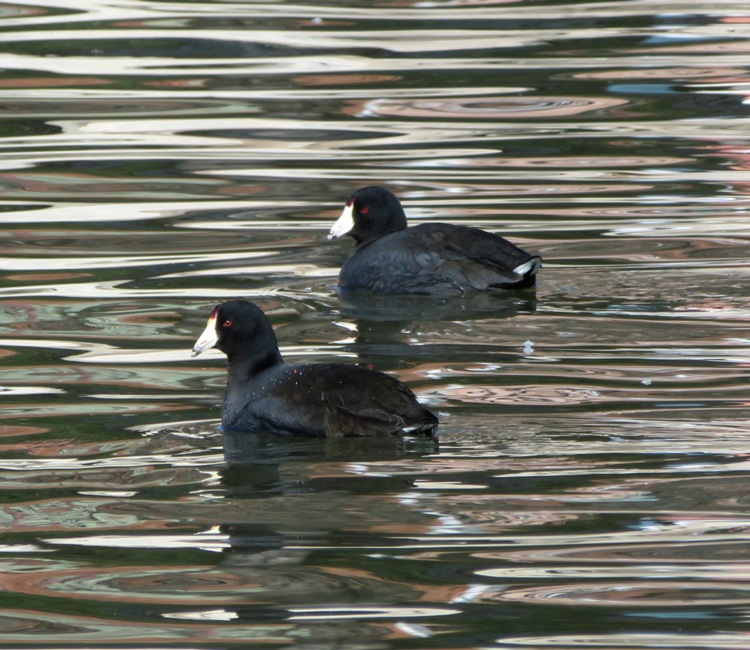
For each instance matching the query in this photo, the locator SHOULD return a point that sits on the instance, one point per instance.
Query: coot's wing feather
(485, 259)
(361, 421)
(440, 259)
(349, 400)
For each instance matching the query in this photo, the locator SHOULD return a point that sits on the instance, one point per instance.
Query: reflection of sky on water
(157, 158)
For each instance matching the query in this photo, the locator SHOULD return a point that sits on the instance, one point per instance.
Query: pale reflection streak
(41, 101)
(97, 10)
(113, 261)
(717, 530)
(94, 290)
(157, 584)
(86, 409)
(503, 547)
(94, 352)
(394, 40)
(697, 570)
(113, 66)
(344, 613)
(299, 271)
(14, 391)
(116, 212)
(649, 591)
(699, 556)
(395, 130)
(204, 541)
(36, 626)
(628, 641)
(63, 465)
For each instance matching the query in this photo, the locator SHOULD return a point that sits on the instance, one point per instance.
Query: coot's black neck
(243, 367)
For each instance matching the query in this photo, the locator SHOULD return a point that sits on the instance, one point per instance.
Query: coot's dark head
(370, 212)
(239, 329)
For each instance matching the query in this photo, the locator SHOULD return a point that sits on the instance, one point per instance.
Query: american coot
(438, 259)
(323, 399)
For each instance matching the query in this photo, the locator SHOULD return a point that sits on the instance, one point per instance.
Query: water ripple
(157, 158)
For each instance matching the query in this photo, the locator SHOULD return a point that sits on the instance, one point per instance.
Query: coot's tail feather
(529, 268)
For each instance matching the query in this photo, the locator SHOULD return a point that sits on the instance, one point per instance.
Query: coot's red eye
(228, 323)
(364, 210)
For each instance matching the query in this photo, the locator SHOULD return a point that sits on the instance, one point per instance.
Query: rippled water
(590, 489)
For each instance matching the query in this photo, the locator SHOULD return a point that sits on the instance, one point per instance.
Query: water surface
(590, 485)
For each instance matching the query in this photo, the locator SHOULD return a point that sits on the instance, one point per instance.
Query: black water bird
(264, 394)
(438, 259)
